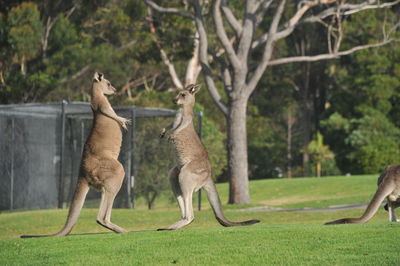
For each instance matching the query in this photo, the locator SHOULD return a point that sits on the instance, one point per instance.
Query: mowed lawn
(283, 238)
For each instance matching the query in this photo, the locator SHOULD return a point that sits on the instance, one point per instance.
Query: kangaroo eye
(108, 84)
(183, 95)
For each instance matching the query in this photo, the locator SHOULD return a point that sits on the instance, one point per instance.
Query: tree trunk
(237, 153)
(23, 68)
(290, 121)
(318, 168)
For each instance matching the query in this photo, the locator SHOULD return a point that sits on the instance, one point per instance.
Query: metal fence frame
(82, 110)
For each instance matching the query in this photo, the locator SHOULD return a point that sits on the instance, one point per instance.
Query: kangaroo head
(186, 96)
(103, 84)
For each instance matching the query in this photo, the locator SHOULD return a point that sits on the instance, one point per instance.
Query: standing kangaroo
(99, 167)
(389, 187)
(193, 169)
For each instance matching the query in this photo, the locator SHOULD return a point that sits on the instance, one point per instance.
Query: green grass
(283, 238)
(370, 244)
(291, 193)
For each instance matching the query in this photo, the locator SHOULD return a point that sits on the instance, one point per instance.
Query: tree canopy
(50, 49)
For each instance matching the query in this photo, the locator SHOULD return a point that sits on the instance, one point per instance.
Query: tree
(24, 33)
(319, 152)
(248, 50)
(362, 124)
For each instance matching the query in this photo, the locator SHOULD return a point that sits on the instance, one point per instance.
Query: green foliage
(152, 161)
(267, 151)
(363, 123)
(319, 152)
(375, 140)
(353, 101)
(25, 31)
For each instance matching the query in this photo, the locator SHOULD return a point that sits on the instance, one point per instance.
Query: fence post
(128, 173)
(201, 136)
(132, 158)
(62, 143)
(12, 163)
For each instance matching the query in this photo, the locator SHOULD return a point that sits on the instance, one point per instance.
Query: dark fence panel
(41, 147)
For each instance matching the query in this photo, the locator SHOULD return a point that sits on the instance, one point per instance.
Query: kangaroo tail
(82, 189)
(215, 203)
(384, 189)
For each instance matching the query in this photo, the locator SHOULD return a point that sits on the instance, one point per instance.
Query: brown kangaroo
(389, 187)
(99, 167)
(193, 169)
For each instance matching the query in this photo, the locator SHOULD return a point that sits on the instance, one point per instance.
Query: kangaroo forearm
(111, 114)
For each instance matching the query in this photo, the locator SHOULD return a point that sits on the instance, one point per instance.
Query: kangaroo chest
(187, 146)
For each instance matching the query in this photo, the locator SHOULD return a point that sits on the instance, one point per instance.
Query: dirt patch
(298, 199)
(328, 209)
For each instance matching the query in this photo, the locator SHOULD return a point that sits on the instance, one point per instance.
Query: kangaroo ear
(193, 89)
(98, 77)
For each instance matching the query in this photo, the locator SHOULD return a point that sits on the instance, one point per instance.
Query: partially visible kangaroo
(389, 187)
(193, 169)
(99, 167)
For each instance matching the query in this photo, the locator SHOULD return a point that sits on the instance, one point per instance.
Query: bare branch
(264, 8)
(204, 60)
(79, 73)
(339, 30)
(248, 30)
(219, 26)
(267, 49)
(175, 11)
(364, 6)
(193, 68)
(296, 20)
(128, 44)
(49, 25)
(319, 57)
(230, 17)
(163, 54)
(225, 73)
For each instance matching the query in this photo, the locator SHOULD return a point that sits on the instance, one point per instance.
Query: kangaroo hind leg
(112, 184)
(391, 209)
(176, 188)
(186, 184)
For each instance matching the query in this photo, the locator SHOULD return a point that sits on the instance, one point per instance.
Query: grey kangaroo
(99, 167)
(193, 169)
(389, 188)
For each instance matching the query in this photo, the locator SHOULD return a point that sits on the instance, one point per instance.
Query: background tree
(352, 101)
(319, 152)
(247, 52)
(362, 124)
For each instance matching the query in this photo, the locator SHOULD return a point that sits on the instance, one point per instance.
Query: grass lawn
(283, 238)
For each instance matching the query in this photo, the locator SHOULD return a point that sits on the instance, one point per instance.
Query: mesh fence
(41, 147)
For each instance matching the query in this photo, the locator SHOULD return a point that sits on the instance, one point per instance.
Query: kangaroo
(193, 169)
(99, 168)
(389, 187)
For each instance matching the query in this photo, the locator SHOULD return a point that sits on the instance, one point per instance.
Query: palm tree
(318, 152)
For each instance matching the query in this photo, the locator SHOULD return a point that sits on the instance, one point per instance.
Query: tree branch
(175, 11)
(163, 54)
(193, 68)
(295, 21)
(248, 31)
(264, 8)
(222, 36)
(267, 49)
(319, 57)
(204, 61)
(230, 17)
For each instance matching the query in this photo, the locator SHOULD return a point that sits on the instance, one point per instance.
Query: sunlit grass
(283, 238)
